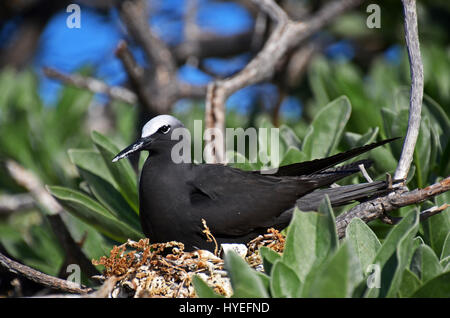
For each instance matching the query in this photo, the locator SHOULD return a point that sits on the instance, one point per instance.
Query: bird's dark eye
(164, 129)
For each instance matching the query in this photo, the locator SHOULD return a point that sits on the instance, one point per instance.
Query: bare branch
(134, 17)
(287, 35)
(158, 87)
(415, 105)
(209, 44)
(15, 202)
(136, 77)
(41, 278)
(380, 207)
(92, 84)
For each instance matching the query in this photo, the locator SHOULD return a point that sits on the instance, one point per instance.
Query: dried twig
(15, 202)
(157, 87)
(286, 35)
(380, 207)
(415, 105)
(92, 84)
(41, 278)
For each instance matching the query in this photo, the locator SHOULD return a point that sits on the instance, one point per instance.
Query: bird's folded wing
(235, 202)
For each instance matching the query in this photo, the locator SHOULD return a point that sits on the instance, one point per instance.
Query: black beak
(135, 147)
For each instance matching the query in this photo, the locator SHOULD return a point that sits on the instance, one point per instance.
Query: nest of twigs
(141, 269)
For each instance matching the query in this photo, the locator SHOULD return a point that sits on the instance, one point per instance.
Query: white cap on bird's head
(156, 128)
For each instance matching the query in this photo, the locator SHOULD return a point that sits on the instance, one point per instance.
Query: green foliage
(111, 203)
(37, 137)
(404, 265)
(348, 108)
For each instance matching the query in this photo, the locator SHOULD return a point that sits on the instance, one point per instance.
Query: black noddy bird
(236, 205)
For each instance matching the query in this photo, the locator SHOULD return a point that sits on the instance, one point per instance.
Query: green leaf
(327, 128)
(239, 161)
(356, 140)
(92, 161)
(293, 155)
(245, 281)
(437, 227)
(390, 244)
(425, 263)
(438, 287)
(202, 289)
(404, 252)
(410, 283)
(422, 152)
(334, 278)
(387, 258)
(395, 125)
(446, 247)
(445, 263)
(318, 71)
(122, 171)
(93, 170)
(284, 282)
(310, 238)
(365, 242)
(268, 256)
(94, 214)
(111, 199)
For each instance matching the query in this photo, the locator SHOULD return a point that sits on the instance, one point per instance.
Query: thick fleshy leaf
(356, 140)
(311, 237)
(293, 155)
(269, 256)
(94, 214)
(122, 171)
(410, 283)
(437, 227)
(284, 282)
(245, 281)
(92, 161)
(335, 277)
(391, 257)
(390, 244)
(365, 242)
(438, 287)
(327, 128)
(202, 289)
(111, 199)
(425, 263)
(446, 248)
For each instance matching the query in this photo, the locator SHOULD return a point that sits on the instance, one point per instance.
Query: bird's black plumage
(236, 205)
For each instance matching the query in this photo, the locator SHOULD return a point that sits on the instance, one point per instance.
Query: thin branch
(92, 84)
(157, 87)
(134, 17)
(380, 207)
(213, 45)
(415, 105)
(136, 77)
(286, 35)
(15, 202)
(41, 278)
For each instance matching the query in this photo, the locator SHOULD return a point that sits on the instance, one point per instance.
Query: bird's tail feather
(327, 177)
(317, 165)
(342, 195)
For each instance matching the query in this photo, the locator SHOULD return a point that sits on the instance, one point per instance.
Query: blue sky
(94, 43)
